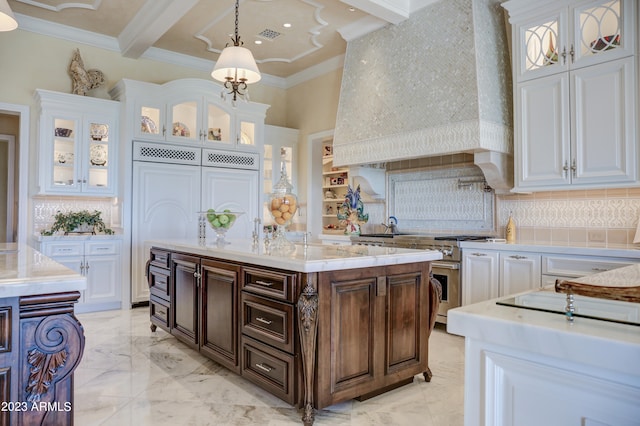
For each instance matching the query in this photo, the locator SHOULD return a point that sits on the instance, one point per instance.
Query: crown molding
(315, 71)
(361, 27)
(64, 32)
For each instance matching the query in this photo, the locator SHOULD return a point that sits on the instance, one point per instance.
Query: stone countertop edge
(27, 272)
(600, 344)
(617, 250)
(313, 258)
(77, 237)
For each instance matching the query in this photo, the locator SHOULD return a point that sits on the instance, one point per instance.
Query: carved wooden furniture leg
(51, 349)
(308, 327)
(427, 375)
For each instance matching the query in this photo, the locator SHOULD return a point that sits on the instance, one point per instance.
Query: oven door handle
(444, 265)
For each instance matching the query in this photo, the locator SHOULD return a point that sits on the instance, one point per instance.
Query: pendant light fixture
(7, 20)
(236, 67)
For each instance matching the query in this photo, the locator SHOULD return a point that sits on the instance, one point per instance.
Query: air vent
(235, 160)
(166, 153)
(268, 34)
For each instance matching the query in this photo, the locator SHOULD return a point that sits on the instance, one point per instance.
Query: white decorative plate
(99, 131)
(98, 155)
(180, 129)
(147, 125)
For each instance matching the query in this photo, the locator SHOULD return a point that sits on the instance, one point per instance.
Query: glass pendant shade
(7, 20)
(236, 63)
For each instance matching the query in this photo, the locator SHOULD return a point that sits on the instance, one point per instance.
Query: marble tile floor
(131, 376)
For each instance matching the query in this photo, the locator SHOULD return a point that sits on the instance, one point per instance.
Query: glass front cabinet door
(78, 143)
(583, 34)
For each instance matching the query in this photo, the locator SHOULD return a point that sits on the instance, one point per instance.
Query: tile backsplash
(591, 218)
(45, 208)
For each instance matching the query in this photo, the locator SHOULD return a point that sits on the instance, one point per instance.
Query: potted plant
(82, 221)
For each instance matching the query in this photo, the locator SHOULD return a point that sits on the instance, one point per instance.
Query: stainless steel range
(447, 270)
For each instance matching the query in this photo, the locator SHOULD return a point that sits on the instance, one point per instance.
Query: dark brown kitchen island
(314, 326)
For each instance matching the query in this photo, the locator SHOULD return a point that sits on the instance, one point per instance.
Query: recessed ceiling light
(352, 9)
(286, 25)
(258, 42)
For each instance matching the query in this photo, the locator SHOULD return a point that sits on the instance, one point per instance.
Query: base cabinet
(204, 307)
(219, 283)
(374, 332)
(372, 324)
(99, 261)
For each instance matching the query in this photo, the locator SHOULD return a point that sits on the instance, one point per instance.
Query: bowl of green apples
(221, 221)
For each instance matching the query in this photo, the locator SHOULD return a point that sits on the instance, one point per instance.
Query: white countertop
(25, 271)
(313, 258)
(596, 343)
(610, 250)
(76, 237)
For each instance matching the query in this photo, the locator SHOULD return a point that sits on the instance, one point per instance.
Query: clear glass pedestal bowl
(283, 207)
(221, 222)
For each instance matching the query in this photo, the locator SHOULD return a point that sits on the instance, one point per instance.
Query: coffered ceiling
(201, 28)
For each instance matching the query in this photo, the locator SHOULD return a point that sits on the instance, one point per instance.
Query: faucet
(392, 227)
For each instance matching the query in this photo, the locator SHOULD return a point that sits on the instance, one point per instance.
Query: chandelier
(236, 67)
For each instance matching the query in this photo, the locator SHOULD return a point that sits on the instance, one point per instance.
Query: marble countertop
(77, 237)
(312, 258)
(611, 250)
(25, 271)
(597, 343)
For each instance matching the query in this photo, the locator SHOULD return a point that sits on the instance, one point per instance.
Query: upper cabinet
(575, 94)
(78, 139)
(569, 35)
(190, 111)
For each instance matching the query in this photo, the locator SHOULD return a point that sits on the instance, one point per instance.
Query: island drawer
(268, 321)
(160, 313)
(272, 283)
(271, 369)
(159, 282)
(159, 258)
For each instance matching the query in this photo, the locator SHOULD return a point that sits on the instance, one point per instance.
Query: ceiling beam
(153, 19)
(393, 11)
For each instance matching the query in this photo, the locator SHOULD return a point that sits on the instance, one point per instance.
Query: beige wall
(311, 108)
(33, 61)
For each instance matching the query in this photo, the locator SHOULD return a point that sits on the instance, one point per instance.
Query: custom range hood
(438, 83)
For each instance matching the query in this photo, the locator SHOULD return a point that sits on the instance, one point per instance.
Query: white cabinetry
(575, 76)
(78, 139)
(480, 276)
(487, 274)
(172, 184)
(565, 267)
(97, 260)
(178, 112)
(518, 272)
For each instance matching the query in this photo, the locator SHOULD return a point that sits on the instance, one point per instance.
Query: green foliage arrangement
(67, 222)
